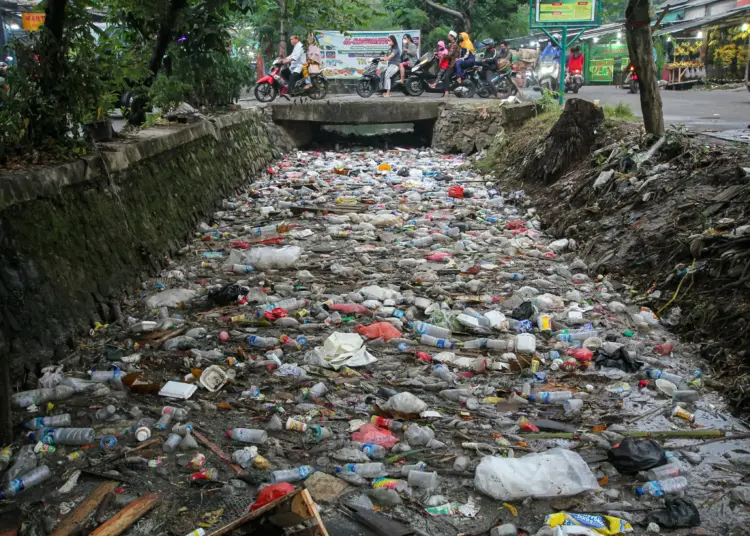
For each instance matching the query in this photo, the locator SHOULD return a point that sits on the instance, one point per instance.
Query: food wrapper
(608, 525)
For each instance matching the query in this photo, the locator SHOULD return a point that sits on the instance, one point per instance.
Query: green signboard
(559, 12)
(601, 70)
(604, 59)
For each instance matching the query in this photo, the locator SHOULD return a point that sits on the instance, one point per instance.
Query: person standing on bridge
(408, 55)
(296, 60)
(394, 60)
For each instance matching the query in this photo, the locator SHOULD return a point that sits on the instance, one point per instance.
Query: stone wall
(73, 237)
(470, 126)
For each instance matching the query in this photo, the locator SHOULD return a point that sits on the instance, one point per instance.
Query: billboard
(565, 12)
(32, 21)
(345, 55)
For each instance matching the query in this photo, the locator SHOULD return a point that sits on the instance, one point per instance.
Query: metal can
(198, 461)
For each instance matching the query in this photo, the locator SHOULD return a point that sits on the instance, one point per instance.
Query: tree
(472, 15)
(640, 49)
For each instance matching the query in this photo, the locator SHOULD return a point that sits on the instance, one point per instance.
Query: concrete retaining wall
(73, 237)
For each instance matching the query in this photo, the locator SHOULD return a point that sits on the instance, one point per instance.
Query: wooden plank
(229, 527)
(314, 512)
(123, 519)
(68, 525)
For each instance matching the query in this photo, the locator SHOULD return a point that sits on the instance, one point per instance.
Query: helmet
(556, 36)
(489, 43)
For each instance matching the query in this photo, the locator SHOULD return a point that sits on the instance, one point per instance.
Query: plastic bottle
(434, 341)
(5, 455)
(197, 532)
(247, 435)
(685, 395)
(65, 436)
(106, 413)
(550, 397)
(182, 429)
(373, 451)
(42, 422)
(495, 344)
(24, 399)
(24, 462)
(513, 276)
(172, 442)
(577, 335)
(423, 328)
(669, 470)
(395, 426)
(366, 470)
(657, 374)
(28, 480)
(263, 342)
(242, 269)
(292, 475)
(105, 375)
(443, 373)
(659, 488)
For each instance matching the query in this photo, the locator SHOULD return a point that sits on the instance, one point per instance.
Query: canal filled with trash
(395, 334)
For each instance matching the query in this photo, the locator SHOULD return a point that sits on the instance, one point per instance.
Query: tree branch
(447, 10)
(164, 36)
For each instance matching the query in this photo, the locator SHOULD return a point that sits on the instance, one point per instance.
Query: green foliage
(613, 11)
(549, 102)
(621, 111)
(438, 34)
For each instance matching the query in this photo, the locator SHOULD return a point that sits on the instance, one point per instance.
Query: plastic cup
(143, 433)
(422, 479)
(295, 426)
(572, 406)
(596, 103)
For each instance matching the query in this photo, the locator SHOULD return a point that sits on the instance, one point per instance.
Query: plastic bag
(340, 350)
(679, 513)
(456, 191)
(554, 473)
(379, 330)
(633, 455)
(405, 404)
(266, 258)
(226, 295)
(524, 311)
(372, 435)
(171, 298)
(600, 524)
(271, 493)
(619, 359)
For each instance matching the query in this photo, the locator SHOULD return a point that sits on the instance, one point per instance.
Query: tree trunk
(747, 63)
(54, 18)
(283, 37)
(6, 413)
(466, 20)
(164, 36)
(640, 48)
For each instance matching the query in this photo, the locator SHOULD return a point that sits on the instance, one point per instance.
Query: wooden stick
(669, 434)
(220, 453)
(123, 519)
(72, 522)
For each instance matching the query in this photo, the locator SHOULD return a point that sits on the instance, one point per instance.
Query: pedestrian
(409, 55)
(295, 60)
(394, 60)
(314, 60)
(466, 56)
(453, 51)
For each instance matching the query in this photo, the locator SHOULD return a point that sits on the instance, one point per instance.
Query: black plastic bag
(523, 311)
(679, 513)
(633, 455)
(226, 295)
(619, 359)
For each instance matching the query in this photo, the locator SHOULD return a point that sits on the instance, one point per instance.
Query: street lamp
(596, 39)
(744, 27)
(699, 35)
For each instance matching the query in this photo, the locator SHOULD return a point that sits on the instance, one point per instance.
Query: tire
(265, 92)
(634, 86)
(414, 86)
(364, 89)
(576, 87)
(471, 89)
(504, 89)
(546, 83)
(319, 89)
(484, 92)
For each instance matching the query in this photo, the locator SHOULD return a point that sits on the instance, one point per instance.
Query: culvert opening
(374, 135)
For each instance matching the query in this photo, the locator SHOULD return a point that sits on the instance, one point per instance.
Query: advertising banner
(345, 55)
(559, 12)
(32, 21)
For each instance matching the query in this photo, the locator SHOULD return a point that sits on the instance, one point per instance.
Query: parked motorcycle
(275, 83)
(573, 81)
(423, 77)
(372, 81)
(631, 80)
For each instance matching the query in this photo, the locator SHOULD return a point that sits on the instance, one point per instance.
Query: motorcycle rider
(489, 63)
(466, 56)
(551, 50)
(503, 52)
(443, 62)
(574, 61)
(409, 55)
(394, 60)
(296, 60)
(314, 60)
(453, 51)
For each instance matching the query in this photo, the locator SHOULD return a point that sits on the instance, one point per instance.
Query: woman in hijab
(453, 52)
(408, 55)
(466, 56)
(394, 59)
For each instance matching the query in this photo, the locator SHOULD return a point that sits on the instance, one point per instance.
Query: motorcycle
(503, 84)
(631, 80)
(530, 79)
(275, 83)
(372, 81)
(573, 81)
(549, 73)
(423, 78)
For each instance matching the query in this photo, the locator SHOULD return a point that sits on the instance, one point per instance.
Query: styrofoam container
(213, 378)
(525, 343)
(178, 390)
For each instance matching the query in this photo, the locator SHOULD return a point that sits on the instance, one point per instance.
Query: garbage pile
(377, 342)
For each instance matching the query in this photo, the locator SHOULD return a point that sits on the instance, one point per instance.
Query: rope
(677, 291)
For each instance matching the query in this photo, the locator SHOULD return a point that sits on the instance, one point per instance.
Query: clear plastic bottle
(423, 328)
(242, 269)
(106, 413)
(292, 304)
(576, 335)
(41, 422)
(247, 435)
(24, 462)
(550, 397)
(366, 470)
(434, 341)
(669, 470)
(263, 342)
(172, 442)
(376, 452)
(513, 276)
(28, 480)
(24, 399)
(685, 395)
(657, 374)
(105, 375)
(292, 475)
(660, 488)
(495, 344)
(65, 436)
(182, 429)
(455, 394)
(444, 373)
(163, 422)
(394, 426)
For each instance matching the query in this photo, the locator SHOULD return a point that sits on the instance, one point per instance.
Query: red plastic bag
(350, 308)
(664, 349)
(372, 435)
(581, 354)
(271, 493)
(378, 330)
(276, 313)
(456, 191)
(438, 256)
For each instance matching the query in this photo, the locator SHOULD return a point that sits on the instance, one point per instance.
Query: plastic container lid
(665, 387)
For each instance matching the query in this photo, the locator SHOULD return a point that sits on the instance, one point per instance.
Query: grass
(622, 111)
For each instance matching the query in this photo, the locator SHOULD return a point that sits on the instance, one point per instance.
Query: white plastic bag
(341, 350)
(267, 258)
(553, 473)
(171, 298)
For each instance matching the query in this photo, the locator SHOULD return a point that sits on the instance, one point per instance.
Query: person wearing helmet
(551, 50)
(489, 61)
(574, 61)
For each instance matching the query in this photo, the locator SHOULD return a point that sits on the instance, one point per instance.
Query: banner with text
(345, 55)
